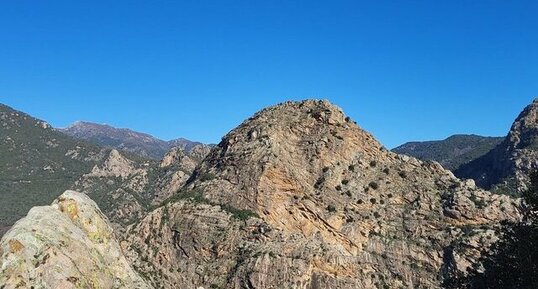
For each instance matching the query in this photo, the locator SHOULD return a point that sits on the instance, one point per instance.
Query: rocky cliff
(505, 168)
(299, 196)
(68, 244)
(126, 189)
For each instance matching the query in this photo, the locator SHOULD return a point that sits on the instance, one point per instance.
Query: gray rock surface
(69, 244)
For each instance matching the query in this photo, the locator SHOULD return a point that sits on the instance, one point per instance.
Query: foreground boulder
(69, 244)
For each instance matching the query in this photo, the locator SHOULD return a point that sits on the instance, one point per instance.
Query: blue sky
(404, 70)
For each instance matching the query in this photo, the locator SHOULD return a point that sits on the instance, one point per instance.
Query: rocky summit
(506, 167)
(299, 196)
(68, 244)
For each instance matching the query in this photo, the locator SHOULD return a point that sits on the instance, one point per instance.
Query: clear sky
(404, 70)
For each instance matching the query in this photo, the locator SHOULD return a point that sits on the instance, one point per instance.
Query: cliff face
(506, 167)
(69, 244)
(126, 189)
(299, 196)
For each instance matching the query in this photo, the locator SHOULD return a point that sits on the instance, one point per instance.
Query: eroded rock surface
(299, 196)
(69, 244)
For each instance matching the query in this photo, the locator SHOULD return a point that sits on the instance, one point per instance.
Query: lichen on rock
(68, 244)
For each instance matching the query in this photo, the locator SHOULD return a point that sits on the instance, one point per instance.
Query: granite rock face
(126, 189)
(69, 244)
(299, 196)
(506, 167)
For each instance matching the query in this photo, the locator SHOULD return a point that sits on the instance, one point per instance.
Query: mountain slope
(298, 196)
(451, 152)
(68, 244)
(128, 140)
(505, 168)
(125, 188)
(37, 163)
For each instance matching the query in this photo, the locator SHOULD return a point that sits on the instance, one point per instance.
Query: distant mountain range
(451, 152)
(125, 139)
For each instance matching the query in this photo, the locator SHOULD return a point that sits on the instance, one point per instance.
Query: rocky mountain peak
(506, 167)
(300, 186)
(115, 165)
(524, 130)
(298, 124)
(292, 142)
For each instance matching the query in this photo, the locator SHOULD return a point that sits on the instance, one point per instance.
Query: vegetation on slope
(37, 164)
(512, 262)
(452, 152)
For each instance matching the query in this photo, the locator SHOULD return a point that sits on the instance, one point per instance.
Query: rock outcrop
(69, 244)
(299, 196)
(505, 168)
(125, 189)
(176, 168)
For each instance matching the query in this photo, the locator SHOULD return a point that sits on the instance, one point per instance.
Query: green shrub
(239, 214)
(205, 176)
(319, 182)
